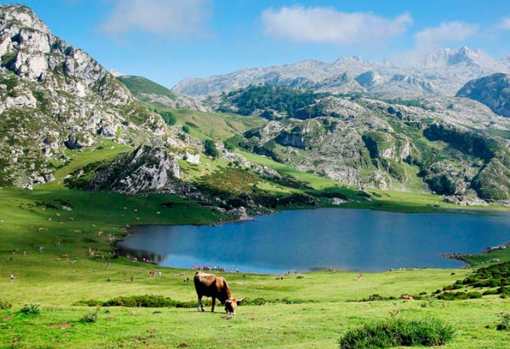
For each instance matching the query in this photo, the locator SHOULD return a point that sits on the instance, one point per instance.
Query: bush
(147, 301)
(229, 146)
(185, 128)
(90, 317)
(31, 309)
(398, 332)
(89, 303)
(168, 117)
(375, 297)
(210, 149)
(4, 304)
(505, 321)
(474, 295)
(491, 292)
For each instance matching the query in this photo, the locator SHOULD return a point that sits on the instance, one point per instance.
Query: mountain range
(437, 125)
(440, 73)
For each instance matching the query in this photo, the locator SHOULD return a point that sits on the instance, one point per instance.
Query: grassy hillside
(217, 126)
(138, 85)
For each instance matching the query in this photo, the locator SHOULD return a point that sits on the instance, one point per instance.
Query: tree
(229, 146)
(210, 149)
(168, 117)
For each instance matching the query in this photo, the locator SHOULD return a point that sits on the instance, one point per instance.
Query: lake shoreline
(448, 255)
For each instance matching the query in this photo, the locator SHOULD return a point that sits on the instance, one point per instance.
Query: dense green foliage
(283, 100)
(495, 279)
(229, 145)
(167, 116)
(210, 149)
(397, 333)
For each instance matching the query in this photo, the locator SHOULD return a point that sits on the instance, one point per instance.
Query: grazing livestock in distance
(216, 287)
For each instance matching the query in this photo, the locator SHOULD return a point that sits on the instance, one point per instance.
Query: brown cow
(214, 286)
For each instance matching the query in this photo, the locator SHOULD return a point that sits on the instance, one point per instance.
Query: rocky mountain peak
(446, 57)
(53, 96)
(21, 17)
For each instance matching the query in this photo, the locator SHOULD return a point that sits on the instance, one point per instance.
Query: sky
(169, 40)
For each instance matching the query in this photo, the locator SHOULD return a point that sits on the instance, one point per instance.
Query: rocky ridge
(492, 91)
(53, 96)
(442, 73)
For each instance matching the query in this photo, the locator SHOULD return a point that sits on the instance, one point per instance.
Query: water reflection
(325, 238)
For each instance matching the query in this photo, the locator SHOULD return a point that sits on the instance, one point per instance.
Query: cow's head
(231, 305)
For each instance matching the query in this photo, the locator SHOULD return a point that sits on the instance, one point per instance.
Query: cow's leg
(213, 304)
(200, 305)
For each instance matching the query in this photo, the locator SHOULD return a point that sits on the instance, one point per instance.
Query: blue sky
(168, 40)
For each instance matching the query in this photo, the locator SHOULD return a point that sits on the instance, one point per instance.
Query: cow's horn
(240, 300)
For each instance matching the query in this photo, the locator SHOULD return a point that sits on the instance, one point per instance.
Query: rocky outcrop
(369, 79)
(53, 96)
(143, 170)
(493, 91)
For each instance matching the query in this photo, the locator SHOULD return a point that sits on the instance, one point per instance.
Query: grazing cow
(407, 297)
(216, 287)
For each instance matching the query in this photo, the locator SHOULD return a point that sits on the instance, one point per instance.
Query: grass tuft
(31, 309)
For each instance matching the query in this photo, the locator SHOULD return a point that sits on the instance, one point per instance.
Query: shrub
(210, 149)
(229, 146)
(90, 317)
(474, 295)
(147, 301)
(168, 117)
(375, 297)
(4, 304)
(31, 309)
(185, 128)
(491, 292)
(88, 303)
(505, 321)
(398, 332)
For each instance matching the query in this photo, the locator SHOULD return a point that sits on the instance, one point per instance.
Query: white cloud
(326, 25)
(505, 24)
(451, 32)
(168, 18)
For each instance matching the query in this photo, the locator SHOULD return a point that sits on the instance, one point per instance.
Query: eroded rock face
(493, 91)
(53, 95)
(144, 170)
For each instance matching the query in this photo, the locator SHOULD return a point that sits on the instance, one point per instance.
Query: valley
(88, 156)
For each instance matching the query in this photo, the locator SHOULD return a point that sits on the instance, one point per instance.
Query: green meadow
(311, 310)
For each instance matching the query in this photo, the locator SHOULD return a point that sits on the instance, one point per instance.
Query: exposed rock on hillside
(493, 91)
(143, 170)
(53, 95)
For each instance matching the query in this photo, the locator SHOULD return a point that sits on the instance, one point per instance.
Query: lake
(303, 240)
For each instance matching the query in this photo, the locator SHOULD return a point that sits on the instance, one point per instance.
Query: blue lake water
(302, 240)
